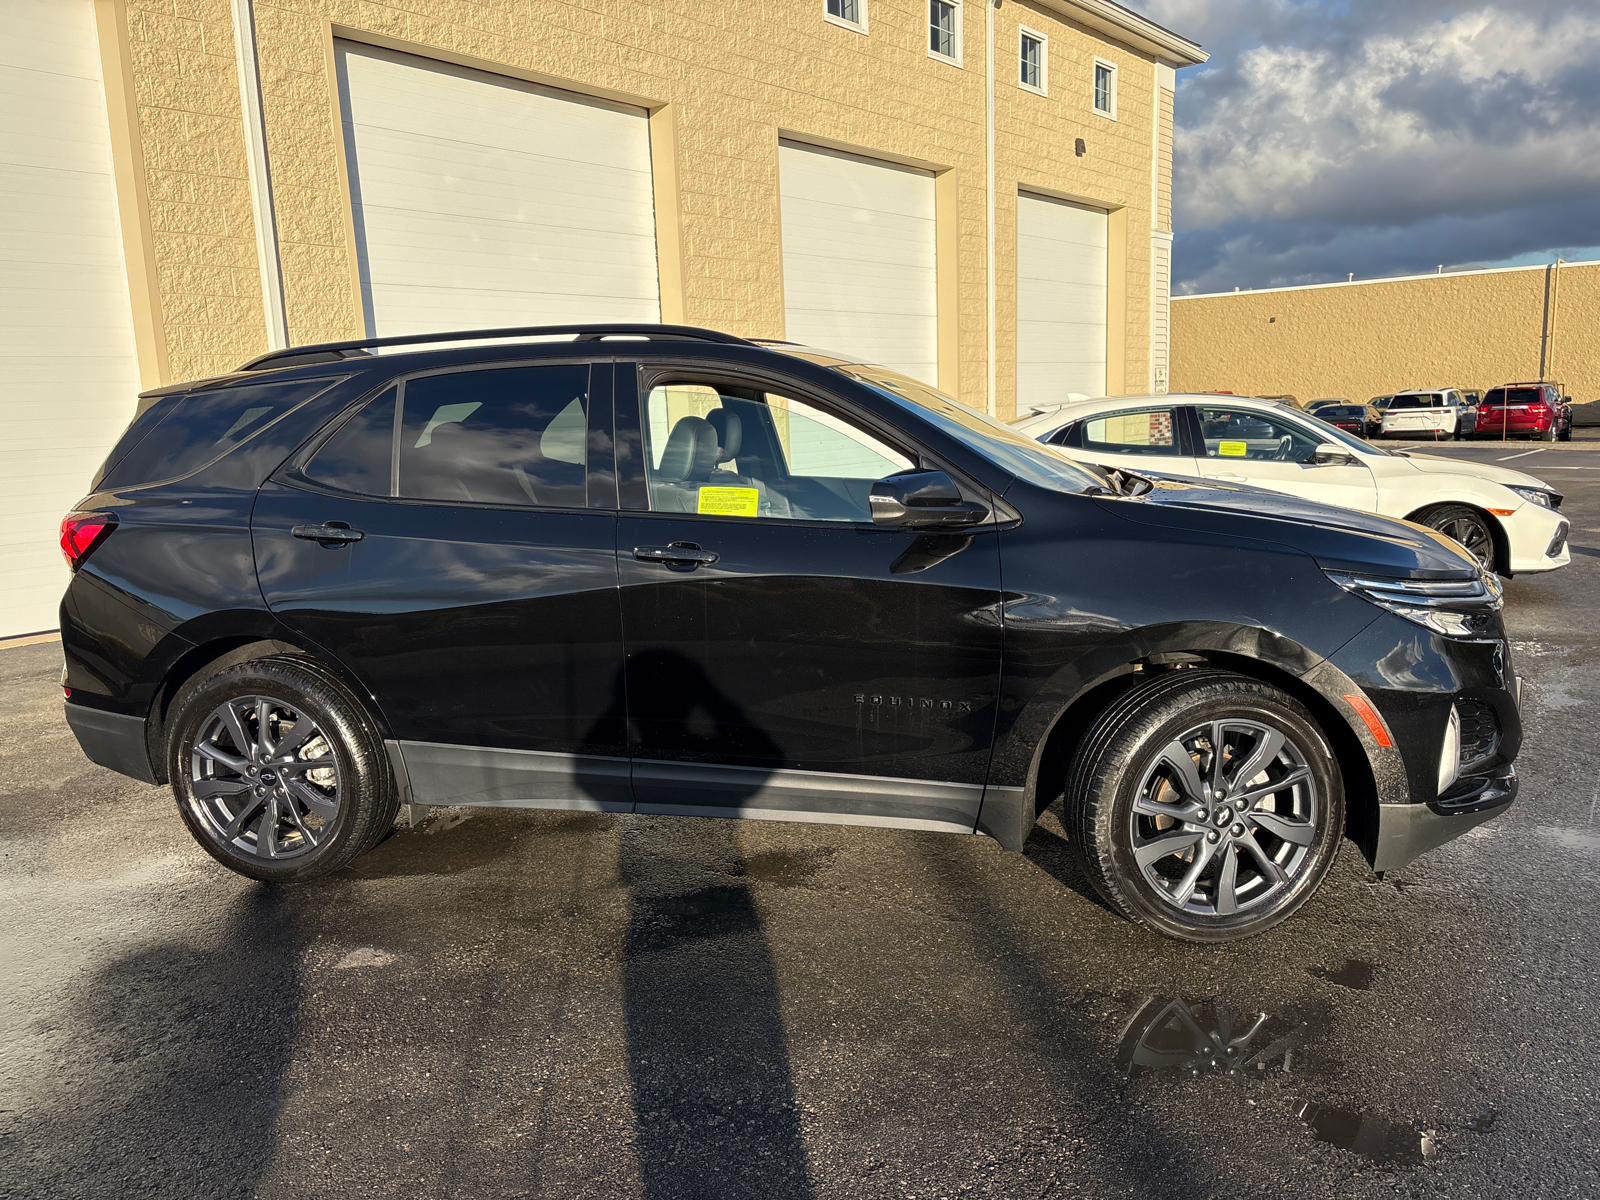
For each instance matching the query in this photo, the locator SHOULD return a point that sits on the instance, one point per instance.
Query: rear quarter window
(180, 434)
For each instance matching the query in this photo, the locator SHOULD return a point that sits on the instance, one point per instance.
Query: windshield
(1430, 401)
(1034, 462)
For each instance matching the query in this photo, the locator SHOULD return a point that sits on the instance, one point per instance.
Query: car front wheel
(1206, 805)
(279, 772)
(1467, 526)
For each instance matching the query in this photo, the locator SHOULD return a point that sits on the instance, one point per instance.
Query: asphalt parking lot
(508, 1003)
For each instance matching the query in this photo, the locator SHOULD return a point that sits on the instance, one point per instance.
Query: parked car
(1434, 414)
(1530, 410)
(1317, 406)
(665, 570)
(1380, 402)
(1586, 415)
(1363, 420)
(1511, 522)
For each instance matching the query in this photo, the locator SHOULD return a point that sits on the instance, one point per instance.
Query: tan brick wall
(733, 76)
(1471, 330)
(186, 94)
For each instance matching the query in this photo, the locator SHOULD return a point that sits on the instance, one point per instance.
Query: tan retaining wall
(1472, 330)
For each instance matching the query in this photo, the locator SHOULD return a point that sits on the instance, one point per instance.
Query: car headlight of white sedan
(1542, 496)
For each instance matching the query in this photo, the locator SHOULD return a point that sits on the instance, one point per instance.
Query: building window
(852, 14)
(944, 30)
(1105, 89)
(1034, 62)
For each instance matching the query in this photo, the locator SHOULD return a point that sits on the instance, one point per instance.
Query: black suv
(664, 570)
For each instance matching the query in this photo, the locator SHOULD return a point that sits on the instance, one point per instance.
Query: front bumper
(113, 740)
(1537, 539)
(1406, 831)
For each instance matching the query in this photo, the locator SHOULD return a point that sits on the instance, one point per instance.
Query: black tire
(1566, 433)
(1549, 435)
(330, 794)
(1127, 754)
(1467, 526)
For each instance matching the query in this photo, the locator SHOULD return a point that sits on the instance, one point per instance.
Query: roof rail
(335, 351)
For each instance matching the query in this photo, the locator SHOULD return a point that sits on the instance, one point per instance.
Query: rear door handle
(679, 553)
(332, 533)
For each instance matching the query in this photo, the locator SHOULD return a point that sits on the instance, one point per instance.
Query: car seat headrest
(730, 433)
(691, 450)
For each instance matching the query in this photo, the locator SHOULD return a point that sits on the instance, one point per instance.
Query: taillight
(82, 532)
(1539, 408)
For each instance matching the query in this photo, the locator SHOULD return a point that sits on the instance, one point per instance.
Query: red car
(1530, 410)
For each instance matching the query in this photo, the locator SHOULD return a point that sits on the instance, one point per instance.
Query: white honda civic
(1510, 521)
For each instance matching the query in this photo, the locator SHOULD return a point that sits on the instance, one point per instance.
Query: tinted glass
(1337, 412)
(357, 457)
(183, 433)
(745, 452)
(512, 435)
(1247, 434)
(1512, 396)
(1145, 432)
(1428, 401)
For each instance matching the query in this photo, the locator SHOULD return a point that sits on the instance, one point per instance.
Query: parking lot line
(1524, 454)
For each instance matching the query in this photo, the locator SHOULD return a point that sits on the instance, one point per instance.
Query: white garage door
(1061, 300)
(482, 201)
(66, 333)
(859, 273)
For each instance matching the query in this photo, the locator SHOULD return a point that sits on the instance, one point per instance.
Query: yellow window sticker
(1232, 449)
(728, 501)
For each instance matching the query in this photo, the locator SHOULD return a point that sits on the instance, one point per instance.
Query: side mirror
(922, 500)
(1330, 456)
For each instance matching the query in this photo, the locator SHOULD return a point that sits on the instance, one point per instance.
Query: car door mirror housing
(923, 500)
(1330, 456)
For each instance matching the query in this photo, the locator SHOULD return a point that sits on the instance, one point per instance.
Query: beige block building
(1472, 329)
(977, 193)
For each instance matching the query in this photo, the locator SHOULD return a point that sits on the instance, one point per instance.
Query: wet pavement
(508, 1003)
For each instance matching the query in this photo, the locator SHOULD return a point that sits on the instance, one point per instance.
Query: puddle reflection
(1202, 1039)
(1206, 1038)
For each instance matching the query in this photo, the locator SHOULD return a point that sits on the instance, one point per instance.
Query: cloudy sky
(1382, 137)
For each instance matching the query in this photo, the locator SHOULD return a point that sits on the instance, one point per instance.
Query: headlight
(1541, 496)
(1454, 607)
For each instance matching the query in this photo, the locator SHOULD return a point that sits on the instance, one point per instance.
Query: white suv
(1432, 414)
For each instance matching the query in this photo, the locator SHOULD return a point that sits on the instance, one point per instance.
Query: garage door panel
(859, 268)
(486, 201)
(66, 332)
(1061, 299)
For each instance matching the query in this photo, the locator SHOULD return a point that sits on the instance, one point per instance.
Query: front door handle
(1230, 478)
(333, 533)
(684, 554)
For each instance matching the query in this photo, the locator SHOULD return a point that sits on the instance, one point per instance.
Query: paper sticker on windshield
(728, 501)
(1233, 449)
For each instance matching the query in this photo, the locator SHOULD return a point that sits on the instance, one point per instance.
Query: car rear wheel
(1205, 805)
(279, 772)
(1464, 525)
(1549, 435)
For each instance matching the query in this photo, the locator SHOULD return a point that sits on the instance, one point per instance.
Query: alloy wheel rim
(263, 778)
(1472, 536)
(1225, 818)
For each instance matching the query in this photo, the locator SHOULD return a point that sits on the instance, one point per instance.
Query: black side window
(358, 457)
(181, 434)
(506, 435)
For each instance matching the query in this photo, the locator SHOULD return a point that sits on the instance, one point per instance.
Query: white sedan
(1510, 521)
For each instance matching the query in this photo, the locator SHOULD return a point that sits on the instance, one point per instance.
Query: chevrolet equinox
(656, 569)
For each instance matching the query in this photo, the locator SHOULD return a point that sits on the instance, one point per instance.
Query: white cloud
(1354, 121)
